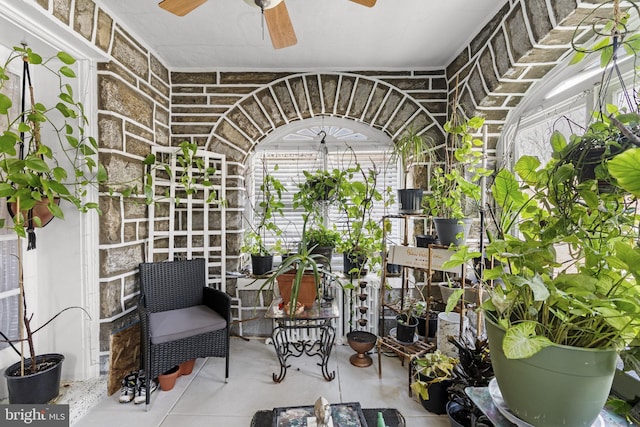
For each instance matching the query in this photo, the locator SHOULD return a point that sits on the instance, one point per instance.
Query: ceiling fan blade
(180, 7)
(280, 27)
(368, 3)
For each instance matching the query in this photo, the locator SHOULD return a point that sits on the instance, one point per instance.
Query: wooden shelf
(405, 350)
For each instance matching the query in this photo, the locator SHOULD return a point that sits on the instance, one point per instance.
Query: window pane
(290, 171)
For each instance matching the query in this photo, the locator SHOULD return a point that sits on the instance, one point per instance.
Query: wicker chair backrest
(171, 285)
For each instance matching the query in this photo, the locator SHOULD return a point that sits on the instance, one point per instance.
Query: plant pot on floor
(449, 325)
(406, 328)
(410, 200)
(455, 413)
(187, 367)
(438, 396)
(261, 264)
(559, 385)
(37, 388)
(451, 230)
(168, 379)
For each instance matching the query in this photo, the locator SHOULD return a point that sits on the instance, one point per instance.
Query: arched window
(312, 145)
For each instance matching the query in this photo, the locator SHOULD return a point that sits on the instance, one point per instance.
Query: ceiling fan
(275, 14)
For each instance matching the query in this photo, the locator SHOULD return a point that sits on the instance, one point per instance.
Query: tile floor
(203, 398)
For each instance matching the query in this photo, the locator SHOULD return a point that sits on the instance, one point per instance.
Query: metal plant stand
(308, 333)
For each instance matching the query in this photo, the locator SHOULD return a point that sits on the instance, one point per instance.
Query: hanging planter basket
(40, 211)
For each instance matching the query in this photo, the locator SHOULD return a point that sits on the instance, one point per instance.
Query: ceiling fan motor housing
(264, 4)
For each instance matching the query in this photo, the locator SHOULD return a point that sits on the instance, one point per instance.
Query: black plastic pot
(393, 269)
(37, 388)
(455, 413)
(261, 264)
(354, 261)
(410, 200)
(438, 397)
(424, 240)
(433, 325)
(406, 329)
(451, 230)
(324, 251)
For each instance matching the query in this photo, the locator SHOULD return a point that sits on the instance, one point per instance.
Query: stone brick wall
(523, 42)
(133, 115)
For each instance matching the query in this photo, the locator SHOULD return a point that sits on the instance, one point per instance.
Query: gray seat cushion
(184, 322)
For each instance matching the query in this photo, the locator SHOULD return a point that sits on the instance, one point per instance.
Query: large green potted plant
(268, 207)
(456, 180)
(34, 172)
(411, 149)
(566, 302)
(567, 317)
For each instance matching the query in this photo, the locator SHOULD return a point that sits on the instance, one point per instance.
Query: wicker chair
(181, 318)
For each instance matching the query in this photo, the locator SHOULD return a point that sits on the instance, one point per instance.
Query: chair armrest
(143, 314)
(219, 301)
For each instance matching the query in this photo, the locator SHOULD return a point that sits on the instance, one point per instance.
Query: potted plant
(568, 302)
(456, 180)
(412, 150)
(323, 240)
(578, 312)
(32, 172)
(421, 313)
(318, 190)
(267, 209)
(473, 369)
(299, 277)
(362, 234)
(430, 379)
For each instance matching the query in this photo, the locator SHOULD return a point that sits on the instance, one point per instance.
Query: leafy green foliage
(412, 149)
(460, 175)
(267, 208)
(434, 367)
(588, 298)
(362, 235)
(40, 175)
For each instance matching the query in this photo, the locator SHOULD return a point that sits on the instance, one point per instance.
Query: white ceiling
(332, 34)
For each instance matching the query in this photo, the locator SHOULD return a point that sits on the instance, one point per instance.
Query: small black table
(316, 318)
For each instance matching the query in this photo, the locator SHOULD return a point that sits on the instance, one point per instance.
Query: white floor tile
(203, 398)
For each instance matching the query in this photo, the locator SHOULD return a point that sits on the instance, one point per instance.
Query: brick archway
(372, 101)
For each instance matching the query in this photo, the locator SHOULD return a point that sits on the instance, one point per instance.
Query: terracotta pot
(168, 379)
(307, 293)
(187, 367)
(40, 210)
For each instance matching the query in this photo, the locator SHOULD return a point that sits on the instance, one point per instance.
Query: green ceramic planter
(558, 386)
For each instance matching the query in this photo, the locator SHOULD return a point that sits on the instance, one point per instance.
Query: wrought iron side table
(310, 332)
